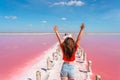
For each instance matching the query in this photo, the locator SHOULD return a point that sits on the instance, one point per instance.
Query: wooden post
(84, 57)
(38, 75)
(82, 53)
(48, 63)
(98, 77)
(58, 49)
(90, 66)
(55, 56)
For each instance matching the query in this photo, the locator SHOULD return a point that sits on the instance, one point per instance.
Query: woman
(69, 48)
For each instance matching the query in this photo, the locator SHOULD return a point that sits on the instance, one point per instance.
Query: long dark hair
(69, 47)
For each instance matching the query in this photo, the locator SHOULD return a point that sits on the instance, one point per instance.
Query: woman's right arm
(57, 34)
(80, 34)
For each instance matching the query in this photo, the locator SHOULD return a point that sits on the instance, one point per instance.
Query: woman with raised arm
(69, 48)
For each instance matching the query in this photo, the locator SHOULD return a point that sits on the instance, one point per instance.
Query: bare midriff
(69, 62)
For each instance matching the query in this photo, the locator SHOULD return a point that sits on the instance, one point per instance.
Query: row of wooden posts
(55, 57)
(50, 63)
(38, 76)
(98, 77)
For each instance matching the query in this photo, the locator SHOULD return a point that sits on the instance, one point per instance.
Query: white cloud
(7, 17)
(69, 3)
(59, 3)
(63, 18)
(13, 17)
(10, 17)
(43, 21)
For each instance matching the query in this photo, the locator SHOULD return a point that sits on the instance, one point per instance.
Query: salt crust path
(49, 68)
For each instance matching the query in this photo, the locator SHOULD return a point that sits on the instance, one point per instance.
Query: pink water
(17, 50)
(104, 52)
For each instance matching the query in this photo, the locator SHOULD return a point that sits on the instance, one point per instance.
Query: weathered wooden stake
(84, 57)
(48, 63)
(38, 75)
(98, 77)
(55, 56)
(90, 66)
(58, 49)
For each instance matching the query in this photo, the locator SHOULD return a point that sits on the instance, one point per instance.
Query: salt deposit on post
(98, 77)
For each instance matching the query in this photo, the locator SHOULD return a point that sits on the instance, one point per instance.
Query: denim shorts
(67, 71)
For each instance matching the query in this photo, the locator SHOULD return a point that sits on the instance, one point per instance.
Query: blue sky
(42, 15)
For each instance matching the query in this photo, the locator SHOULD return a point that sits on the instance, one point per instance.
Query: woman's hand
(55, 28)
(82, 26)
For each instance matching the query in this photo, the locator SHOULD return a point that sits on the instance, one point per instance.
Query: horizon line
(45, 33)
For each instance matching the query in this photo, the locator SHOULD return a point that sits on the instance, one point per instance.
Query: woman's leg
(63, 73)
(71, 73)
(71, 79)
(64, 78)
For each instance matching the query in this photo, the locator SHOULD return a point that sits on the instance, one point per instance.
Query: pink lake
(17, 50)
(104, 52)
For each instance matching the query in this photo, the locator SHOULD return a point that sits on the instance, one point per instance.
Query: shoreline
(32, 66)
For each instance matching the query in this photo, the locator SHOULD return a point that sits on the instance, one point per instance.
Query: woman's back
(68, 55)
